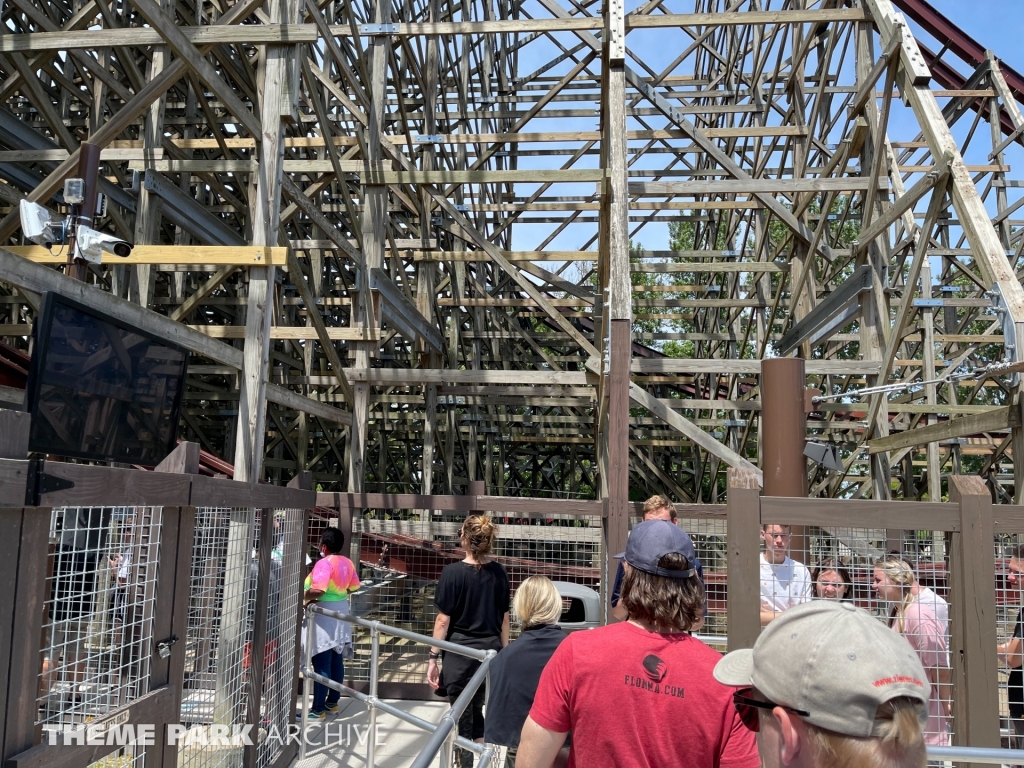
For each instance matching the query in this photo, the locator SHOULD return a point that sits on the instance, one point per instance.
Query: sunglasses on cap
(747, 708)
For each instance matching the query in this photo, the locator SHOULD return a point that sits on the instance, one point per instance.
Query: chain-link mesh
(284, 601)
(401, 555)
(102, 565)
(1009, 602)
(710, 542)
(219, 628)
(863, 566)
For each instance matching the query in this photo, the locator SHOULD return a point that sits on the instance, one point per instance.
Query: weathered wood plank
(991, 421)
(919, 515)
(93, 39)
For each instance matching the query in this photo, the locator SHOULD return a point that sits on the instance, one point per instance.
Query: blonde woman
(515, 673)
(472, 599)
(916, 620)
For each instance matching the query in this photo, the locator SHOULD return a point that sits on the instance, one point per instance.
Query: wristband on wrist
(433, 655)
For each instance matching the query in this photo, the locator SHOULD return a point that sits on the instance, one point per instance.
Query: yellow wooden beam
(240, 255)
(291, 332)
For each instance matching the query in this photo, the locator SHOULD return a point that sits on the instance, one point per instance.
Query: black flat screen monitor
(100, 390)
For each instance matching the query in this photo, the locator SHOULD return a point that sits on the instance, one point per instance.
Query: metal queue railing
(443, 735)
(987, 755)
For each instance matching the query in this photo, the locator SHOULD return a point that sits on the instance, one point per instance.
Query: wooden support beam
(750, 186)
(834, 304)
(644, 399)
(744, 535)
(399, 310)
(92, 39)
(193, 57)
(995, 420)
(973, 622)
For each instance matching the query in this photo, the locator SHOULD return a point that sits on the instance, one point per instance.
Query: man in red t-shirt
(641, 693)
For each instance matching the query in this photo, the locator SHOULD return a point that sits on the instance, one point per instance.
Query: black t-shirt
(515, 673)
(475, 597)
(1015, 685)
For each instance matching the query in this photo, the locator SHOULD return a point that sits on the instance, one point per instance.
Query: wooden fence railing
(969, 520)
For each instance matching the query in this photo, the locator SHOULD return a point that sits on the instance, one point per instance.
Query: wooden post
(618, 311)
(148, 205)
(171, 621)
(743, 518)
(24, 535)
(616, 523)
(973, 651)
(171, 608)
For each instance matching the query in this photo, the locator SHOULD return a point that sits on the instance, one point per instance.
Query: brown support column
(784, 425)
(24, 534)
(616, 524)
(743, 518)
(171, 612)
(973, 600)
(784, 429)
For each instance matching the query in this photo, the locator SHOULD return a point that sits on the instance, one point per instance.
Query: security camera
(91, 244)
(40, 225)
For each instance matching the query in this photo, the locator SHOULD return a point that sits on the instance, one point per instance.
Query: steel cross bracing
(427, 228)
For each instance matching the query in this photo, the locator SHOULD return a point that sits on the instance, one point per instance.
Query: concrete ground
(341, 739)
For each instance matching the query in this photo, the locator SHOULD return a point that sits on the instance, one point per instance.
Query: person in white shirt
(784, 581)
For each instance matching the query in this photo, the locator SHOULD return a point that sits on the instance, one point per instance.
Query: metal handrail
(989, 755)
(440, 733)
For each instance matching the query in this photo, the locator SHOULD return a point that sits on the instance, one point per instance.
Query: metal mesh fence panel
(856, 564)
(219, 628)
(102, 565)
(287, 571)
(710, 542)
(1009, 599)
(400, 556)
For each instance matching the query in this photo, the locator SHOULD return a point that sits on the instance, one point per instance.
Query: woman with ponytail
(894, 583)
(472, 599)
(827, 686)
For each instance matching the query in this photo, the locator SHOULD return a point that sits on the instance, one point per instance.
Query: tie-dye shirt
(335, 576)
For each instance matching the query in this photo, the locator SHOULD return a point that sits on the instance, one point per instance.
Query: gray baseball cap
(651, 540)
(832, 660)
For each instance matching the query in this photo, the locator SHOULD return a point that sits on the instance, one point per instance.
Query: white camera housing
(40, 225)
(91, 244)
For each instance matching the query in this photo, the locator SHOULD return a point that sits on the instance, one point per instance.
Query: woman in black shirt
(515, 673)
(472, 599)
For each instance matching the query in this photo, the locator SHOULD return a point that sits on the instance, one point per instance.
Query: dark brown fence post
(973, 652)
(743, 518)
(171, 609)
(24, 535)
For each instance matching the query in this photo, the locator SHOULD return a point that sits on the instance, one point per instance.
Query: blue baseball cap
(651, 540)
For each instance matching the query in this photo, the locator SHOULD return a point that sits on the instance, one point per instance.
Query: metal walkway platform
(398, 742)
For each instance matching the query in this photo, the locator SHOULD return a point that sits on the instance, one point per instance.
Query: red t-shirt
(639, 699)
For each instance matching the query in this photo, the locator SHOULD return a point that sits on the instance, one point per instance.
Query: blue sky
(996, 24)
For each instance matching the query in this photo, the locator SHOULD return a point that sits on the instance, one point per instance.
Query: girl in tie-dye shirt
(333, 579)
